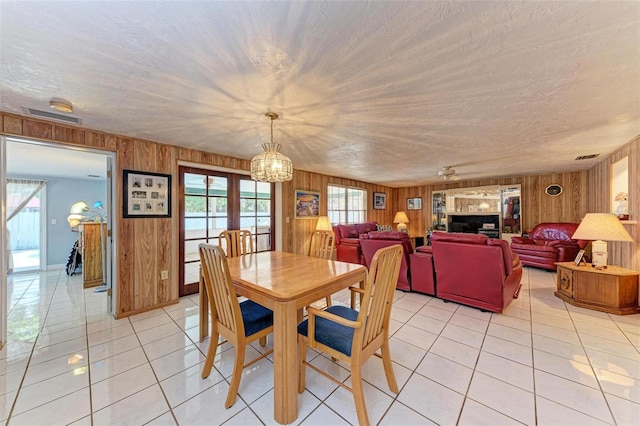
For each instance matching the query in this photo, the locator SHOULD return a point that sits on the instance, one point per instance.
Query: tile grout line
(26, 368)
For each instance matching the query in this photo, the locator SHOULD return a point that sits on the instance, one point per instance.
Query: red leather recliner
(548, 243)
(422, 271)
(348, 241)
(475, 270)
(371, 242)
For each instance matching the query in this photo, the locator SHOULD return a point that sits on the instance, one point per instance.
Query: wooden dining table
(285, 283)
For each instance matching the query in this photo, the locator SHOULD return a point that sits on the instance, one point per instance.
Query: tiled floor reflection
(540, 362)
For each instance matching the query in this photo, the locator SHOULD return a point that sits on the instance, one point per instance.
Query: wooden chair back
(227, 317)
(371, 329)
(323, 244)
(236, 242)
(225, 309)
(375, 305)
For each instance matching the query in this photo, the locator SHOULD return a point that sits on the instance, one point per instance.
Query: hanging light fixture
(271, 166)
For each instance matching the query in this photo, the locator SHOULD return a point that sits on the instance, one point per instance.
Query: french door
(211, 202)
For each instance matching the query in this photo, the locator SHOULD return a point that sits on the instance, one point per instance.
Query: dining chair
(323, 244)
(238, 323)
(353, 336)
(236, 242)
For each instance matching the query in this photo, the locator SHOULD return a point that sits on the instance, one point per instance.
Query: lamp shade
(601, 226)
(74, 220)
(401, 217)
(323, 224)
(79, 207)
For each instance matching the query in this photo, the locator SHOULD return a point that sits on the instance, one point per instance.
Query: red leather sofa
(375, 240)
(348, 241)
(548, 243)
(475, 270)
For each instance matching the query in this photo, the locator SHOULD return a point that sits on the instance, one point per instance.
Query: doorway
(72, 174)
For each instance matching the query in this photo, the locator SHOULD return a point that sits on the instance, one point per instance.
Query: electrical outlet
(164, 275)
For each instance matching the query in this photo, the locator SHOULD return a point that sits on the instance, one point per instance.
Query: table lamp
(599, 227)
(401, 219)
(323, 224)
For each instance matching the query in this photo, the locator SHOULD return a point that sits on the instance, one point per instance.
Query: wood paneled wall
(296, 233)
(599, 177)
(144, 246)
(147, 246)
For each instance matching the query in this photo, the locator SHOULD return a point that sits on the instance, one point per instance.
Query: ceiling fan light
(446, 172)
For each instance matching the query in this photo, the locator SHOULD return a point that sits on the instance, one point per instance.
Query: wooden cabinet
(89, 243)
(613, 290)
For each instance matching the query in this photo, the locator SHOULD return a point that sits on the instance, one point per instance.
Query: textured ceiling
(385, 92)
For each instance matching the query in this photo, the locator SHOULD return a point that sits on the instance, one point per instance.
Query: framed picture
(414, 203)
(579, 258)
(379, 200)
(307, 204)
(146, 194)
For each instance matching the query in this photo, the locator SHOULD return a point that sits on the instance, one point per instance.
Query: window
(346, 205)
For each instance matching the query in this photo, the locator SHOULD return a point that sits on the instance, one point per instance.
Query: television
(470, 224)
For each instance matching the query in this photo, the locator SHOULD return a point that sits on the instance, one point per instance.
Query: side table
(613, 290)
(417, 241)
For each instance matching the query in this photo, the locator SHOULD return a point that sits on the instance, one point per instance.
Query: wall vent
(587, 157)
(52, 115)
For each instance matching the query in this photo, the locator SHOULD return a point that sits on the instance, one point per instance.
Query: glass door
(255, 212)
(439, 211)
(511, 212)
(204, 205)
(211, 202)
(26, 226)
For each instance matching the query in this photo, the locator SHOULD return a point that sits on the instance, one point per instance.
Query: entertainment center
(491, 210)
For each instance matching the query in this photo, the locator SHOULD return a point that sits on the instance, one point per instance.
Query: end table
(613, 290)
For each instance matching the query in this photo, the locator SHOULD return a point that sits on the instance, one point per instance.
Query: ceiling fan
(447, 173)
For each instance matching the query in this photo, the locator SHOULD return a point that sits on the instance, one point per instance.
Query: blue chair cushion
(256, 317)
(335, 336)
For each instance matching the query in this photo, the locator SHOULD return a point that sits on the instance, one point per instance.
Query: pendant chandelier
(271, 166)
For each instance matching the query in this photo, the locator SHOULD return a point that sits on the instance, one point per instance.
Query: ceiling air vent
(587, 157)
(52, 115)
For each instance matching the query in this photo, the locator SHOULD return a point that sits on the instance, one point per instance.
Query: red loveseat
(373, 241)
(475, 270)
(348, 241)
(548, 243)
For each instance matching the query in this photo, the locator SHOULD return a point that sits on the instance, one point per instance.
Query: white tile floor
(540, 362)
